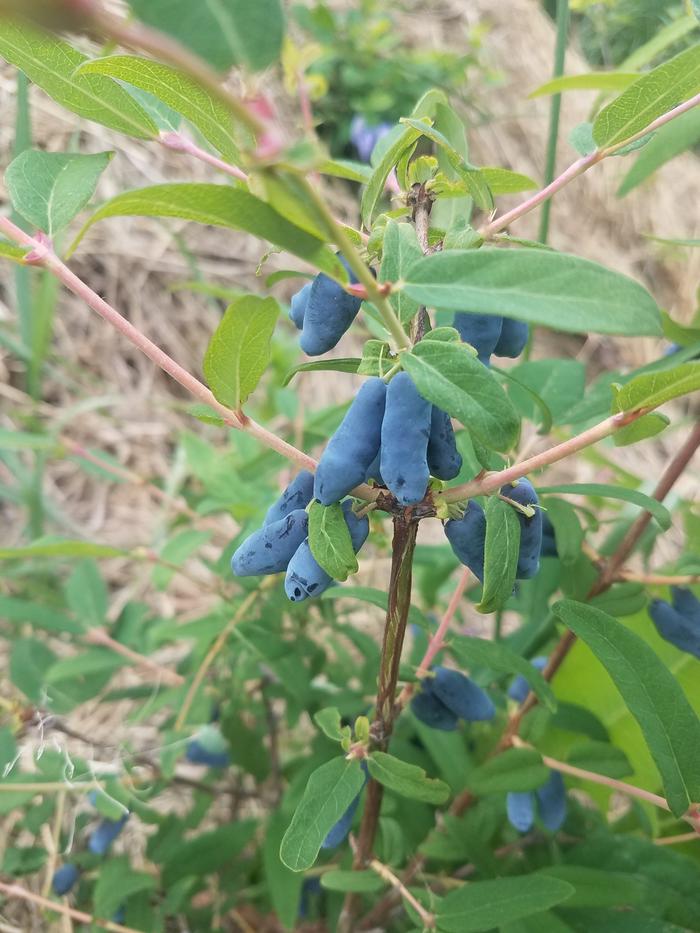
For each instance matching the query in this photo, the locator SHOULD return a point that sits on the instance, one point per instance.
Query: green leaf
(500, 554)
(483, 905)
(651, 96)
(400, 250)
(49, 188)
(358, 882)
(640, 430)
(567, 527)
(516, 769)
(51, 64)
(538, 286)
(376, 358)
(239, 350)
(595, 887)
(97, 661)
(221, 206)
(12, 252)
(30, 659)
(25, 440)
(674, 241)
(329, 722)
(653, 389)
(329, 792)
(406, 779)
(207, 852)
(44, 617)
(657, 509)
(503, 181)
(558, 384)
(284, 886)
(330, 542)
(203, 110)
(60, 548)
(495, 655)
(451, 377)
(668, 142)
(600, 757)
(345, 168)
(117, 881)
(622, 599)
(592, 81)
(222, 32)
(670, 726)
(344, 365)
(375, 185)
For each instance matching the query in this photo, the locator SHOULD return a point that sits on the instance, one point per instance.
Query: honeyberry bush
(544, 776)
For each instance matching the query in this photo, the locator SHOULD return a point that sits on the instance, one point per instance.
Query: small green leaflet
(344, 365)
(329, 792)
(450, 376)
(595, 887)
(400, 250)
(653, 389)
(657, 509)
(503, 181)
(600, 757)
(651, 693)
(53, 547)
(592, 81)
(538, 286)
(49, 188)
(674, 241)
(567, 527)
(222, 32)
(12, 252)
(51, 64)
(651, 96)
(375, 185)
(116, 882)
(500, 554)
(330, 542)
(209, 115)
(329, 722)
(485, 905)
(361, 882)
(406, 779)
(221, 206)
(645, 427)
(239, 350)
(669, 141)
(516, 769)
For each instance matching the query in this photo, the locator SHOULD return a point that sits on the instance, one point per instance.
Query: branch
(98, 636)
(427, 919)
(17, 891)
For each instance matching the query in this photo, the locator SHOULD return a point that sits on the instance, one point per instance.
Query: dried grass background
(126, 407)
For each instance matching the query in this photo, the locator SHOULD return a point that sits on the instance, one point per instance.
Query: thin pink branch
(176, 142)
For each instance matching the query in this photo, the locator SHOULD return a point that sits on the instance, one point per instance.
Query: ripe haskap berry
(444, 460)
(297, 306)
(309, 889)
(431, 711)
(404, 446)
(467, 537)
(530, 528)
(520, 688)
(679, 623)
(330, 311)
(520, 807)
(270, 549)
(107, 831)
(364, 136)
(461, 695)
(551, 798)
(482, 331)
(64, 878)
(353, 447)
(198, 755)
(549, 541)
(513, 338)
(687, 603)
(304, 575)
(374, 471)
(296, 496)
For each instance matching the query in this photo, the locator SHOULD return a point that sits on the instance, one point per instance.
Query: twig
(675, 840)
(16, 890)
(554, 112)
(56, 841)
(98, 636)
(273, 735)
(427, 919)
(177, 142)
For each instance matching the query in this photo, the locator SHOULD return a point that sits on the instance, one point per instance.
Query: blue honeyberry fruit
(374, 471)
(337, 833)
(530, 528)
(461, 695)
(198, 755)
(107, 831)
(467, 537)
(297, 306)
(352, 449)
(687, 603)
(549, 541)
(675, 627)
(512, 339)
(520, 808)
(304, 575)
(119, 915)
(330, 311)
(482, 331)
(364, 136)
(404, 444)
(270, 549)
(551, 799)
(520, 688)
(444, 460)
(296, 496)
(64, 878)
(309, 889)
(426, 707)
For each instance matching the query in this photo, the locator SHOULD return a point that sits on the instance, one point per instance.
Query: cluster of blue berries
(99, 843)
(323, 311)
(446, 696)
(490, 334)
(678, 621)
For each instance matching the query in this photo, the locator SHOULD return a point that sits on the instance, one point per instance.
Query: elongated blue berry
(549, 541)
(530, 528)
(461, 695)
(374, 471)
(297, 306)
(551, 798)
(270, 549)
(404, 447)
(674, 627)
(520, 807)
(467, 537)
(444, 460)
(431, 711)
(330, 311)
(353, 447)
(520, 688)
(686, 602)
(337, 833)
(296, 496)
(512, 339)
(304, 575)
(198, 755)
(64, 878)
(482, 331)
(107, 831)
